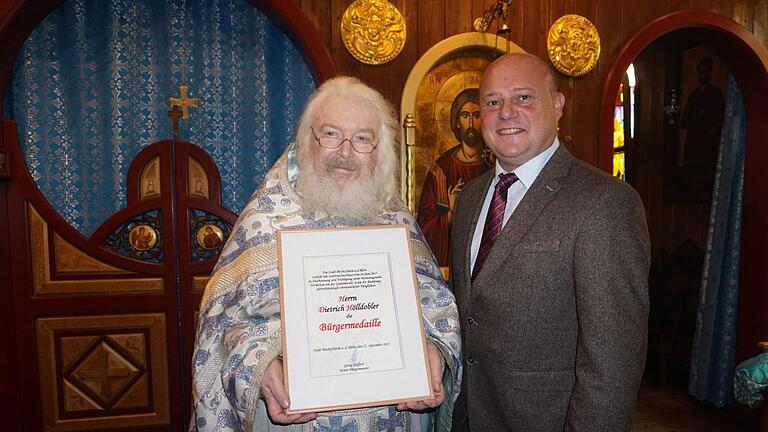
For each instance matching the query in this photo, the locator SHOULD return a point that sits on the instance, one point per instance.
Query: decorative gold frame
(464, 43)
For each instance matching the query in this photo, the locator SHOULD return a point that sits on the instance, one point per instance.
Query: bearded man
(341, 171)
(456, 166)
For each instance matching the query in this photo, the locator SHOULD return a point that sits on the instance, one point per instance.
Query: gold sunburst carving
(373, 31)
(573, 45)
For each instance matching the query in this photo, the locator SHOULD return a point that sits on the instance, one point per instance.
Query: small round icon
(209, 237)
(143, 237)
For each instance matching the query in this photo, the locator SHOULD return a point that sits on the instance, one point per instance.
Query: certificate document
(351, 320)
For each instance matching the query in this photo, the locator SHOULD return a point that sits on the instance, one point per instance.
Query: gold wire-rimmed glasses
(361, 142)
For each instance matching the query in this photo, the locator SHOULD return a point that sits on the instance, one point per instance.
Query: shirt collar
(527, 172)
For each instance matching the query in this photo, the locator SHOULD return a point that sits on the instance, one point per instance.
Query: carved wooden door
(105, 325)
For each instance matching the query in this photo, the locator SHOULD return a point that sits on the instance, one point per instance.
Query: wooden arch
(747, 59)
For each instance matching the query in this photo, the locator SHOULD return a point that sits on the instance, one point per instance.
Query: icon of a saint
(450, 171)
(210, 237)
(703, 119)
(143, 237)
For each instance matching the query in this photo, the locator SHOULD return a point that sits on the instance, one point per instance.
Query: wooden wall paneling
(377, 76)
(743, 13)
(458, 17)
(676, 5)
(702, 4)
(535, 26)
(723, 7)
(319, 12)
(632, 18)
(516, 23)
(585, 144)
(346, 64)
(400, 67)
(431, 24)
(558, 8)
(655, 9)
(543, 22)
(760, 20)
(478, 7)
(609, 25)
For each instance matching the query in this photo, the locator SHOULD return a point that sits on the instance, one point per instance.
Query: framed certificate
(351, 319)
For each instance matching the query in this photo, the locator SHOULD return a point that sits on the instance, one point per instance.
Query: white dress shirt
(526, 175)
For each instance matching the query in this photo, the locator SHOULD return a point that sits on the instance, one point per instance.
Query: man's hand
(436, 376)
(274, 395)
(453, 193)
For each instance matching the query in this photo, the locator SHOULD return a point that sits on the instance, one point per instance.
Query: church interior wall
(430, 21)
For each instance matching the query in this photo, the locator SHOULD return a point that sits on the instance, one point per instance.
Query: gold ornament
(373, 31)
(573, 45)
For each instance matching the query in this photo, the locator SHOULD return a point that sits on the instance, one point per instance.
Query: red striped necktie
(494, 220)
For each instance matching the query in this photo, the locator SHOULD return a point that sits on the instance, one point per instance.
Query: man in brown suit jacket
(555, 313)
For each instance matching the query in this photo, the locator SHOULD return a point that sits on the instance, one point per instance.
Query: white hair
(386, 173)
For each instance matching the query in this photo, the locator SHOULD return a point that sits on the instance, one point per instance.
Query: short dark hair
(471, 94)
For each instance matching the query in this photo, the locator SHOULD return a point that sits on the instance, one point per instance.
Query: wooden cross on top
(179, 108)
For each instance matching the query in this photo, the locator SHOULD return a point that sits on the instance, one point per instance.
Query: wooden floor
(670, 409)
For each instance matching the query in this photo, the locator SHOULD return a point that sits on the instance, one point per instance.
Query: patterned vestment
(239, 325)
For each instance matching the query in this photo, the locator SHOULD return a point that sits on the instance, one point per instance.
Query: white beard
(358, 199)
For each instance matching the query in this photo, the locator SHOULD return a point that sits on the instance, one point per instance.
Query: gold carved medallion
(373, 31)
(573, 45)
(143, 237)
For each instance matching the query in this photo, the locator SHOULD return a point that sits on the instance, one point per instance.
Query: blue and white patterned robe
(239, 325)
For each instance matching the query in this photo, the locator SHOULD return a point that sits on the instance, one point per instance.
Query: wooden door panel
(97, 333)
(104, 371)
(105, 324)
(198, 203)
(60, 268)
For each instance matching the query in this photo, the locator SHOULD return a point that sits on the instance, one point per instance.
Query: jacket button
(471, 321)
(471, 361)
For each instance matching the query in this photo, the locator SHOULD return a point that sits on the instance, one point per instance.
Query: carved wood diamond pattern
(105, 372)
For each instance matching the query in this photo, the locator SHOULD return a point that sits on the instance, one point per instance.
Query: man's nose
(345, 149)
(508, 110)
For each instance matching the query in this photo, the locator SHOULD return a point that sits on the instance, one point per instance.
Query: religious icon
(210, 237)
(458, 152)
(443, 146)
(702, 117)
(150, 179)
(451, 170)
(198, 180)
(143, 237)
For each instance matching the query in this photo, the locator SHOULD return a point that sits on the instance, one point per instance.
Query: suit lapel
(475, 206)
(543, 190)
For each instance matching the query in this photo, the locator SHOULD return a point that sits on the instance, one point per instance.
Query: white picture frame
(352, 330)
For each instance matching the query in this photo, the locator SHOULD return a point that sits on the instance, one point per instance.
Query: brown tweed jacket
(554, 327)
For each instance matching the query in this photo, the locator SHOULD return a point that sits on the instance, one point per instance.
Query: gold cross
(179, 108)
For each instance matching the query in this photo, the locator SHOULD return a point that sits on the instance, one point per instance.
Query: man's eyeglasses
(333, 139)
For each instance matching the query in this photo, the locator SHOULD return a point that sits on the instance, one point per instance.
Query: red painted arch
(747, 60)
(741, 44)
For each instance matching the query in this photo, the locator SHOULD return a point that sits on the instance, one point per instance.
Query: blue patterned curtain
(712, 358)
(90, 88)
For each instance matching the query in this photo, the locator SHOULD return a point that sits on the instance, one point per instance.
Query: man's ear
(559, 104)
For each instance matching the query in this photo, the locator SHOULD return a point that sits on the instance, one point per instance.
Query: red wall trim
(725, 28)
